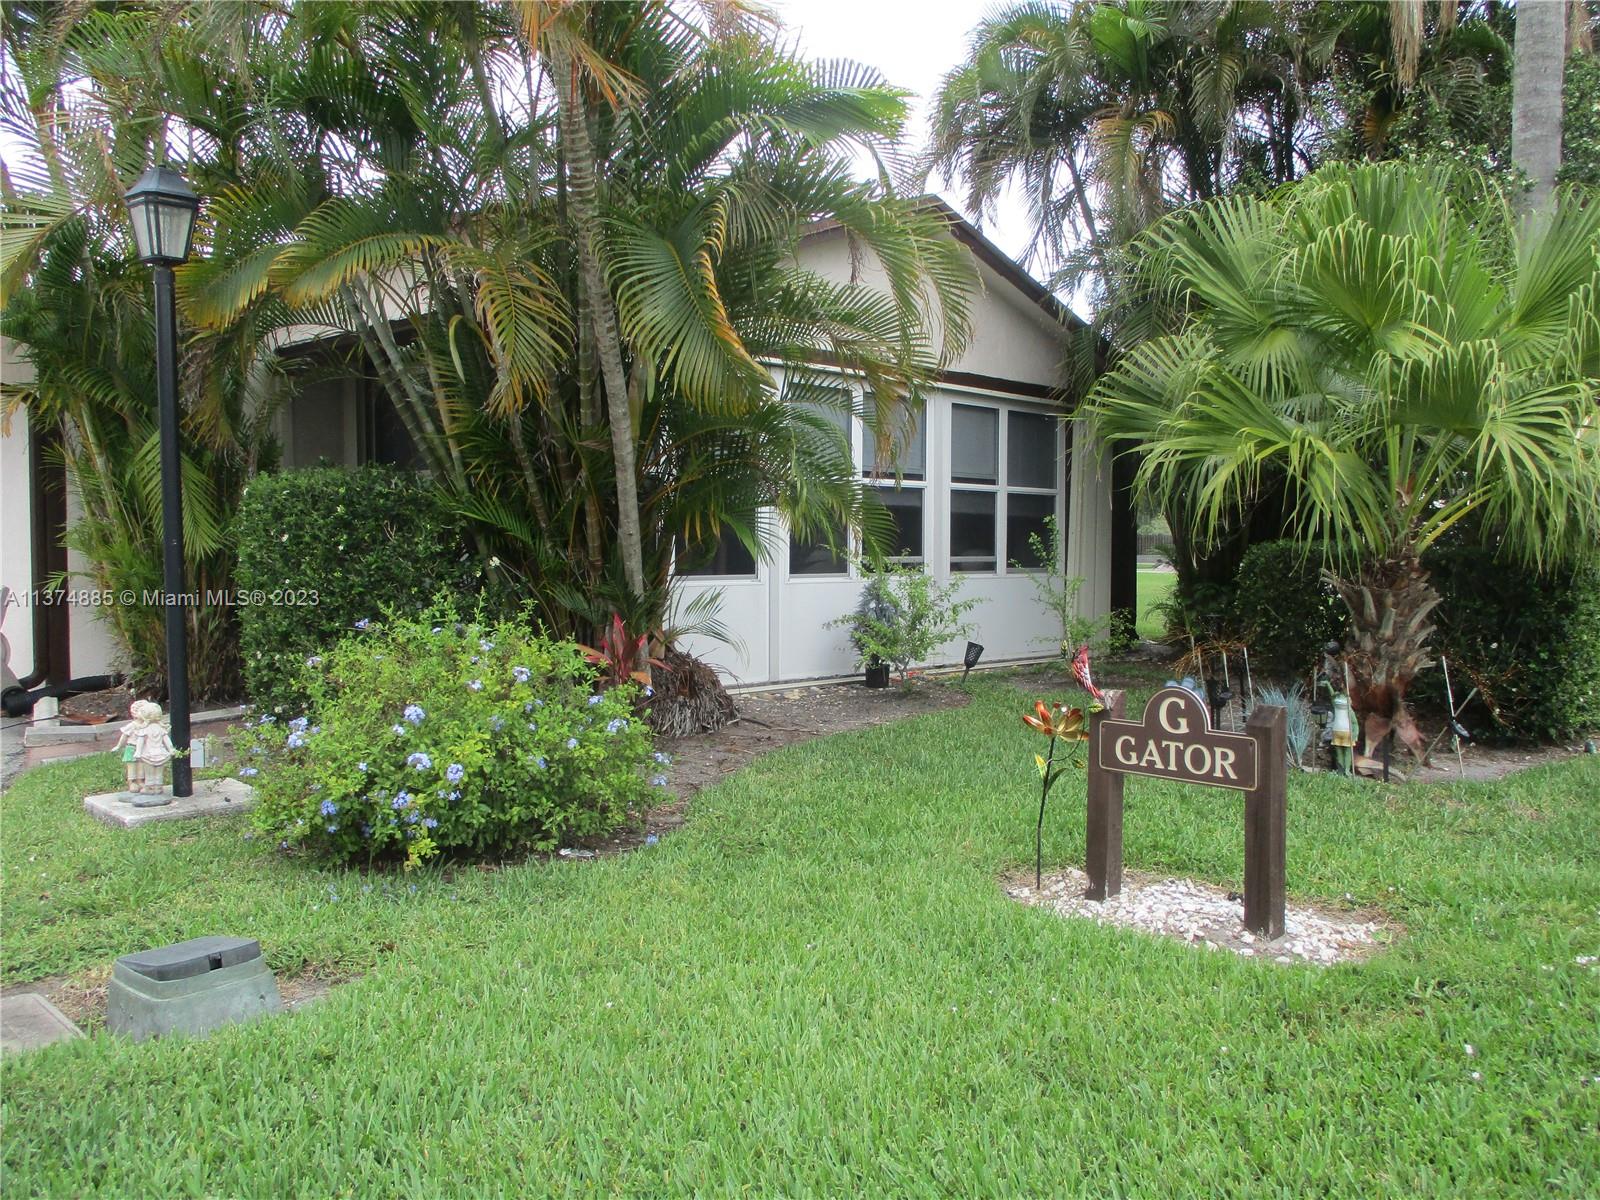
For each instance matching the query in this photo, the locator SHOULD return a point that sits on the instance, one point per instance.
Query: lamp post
(163, 206)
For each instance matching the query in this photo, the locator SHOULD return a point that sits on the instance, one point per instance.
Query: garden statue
(146, 749)
(1342, 733)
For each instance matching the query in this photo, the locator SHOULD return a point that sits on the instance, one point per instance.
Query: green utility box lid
(183, 960)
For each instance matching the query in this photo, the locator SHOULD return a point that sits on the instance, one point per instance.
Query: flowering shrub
(434, 736)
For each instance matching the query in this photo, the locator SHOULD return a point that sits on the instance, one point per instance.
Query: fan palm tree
(1388, 346)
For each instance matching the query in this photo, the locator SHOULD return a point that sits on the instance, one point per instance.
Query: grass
(817, 987)
(1153, 587)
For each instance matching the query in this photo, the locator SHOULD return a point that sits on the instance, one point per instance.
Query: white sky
(914, 43)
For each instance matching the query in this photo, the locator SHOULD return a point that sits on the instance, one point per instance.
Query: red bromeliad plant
(1060, 724)
(621, 657)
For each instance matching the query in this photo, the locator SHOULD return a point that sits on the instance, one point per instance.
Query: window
(726, 556)
(1030, 485)
(984, 499)
(908, 450)
(823, 554)
(975, 462)
(903, 497)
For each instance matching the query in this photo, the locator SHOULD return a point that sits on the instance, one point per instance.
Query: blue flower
(648, 692)
(363, 623)
(658, 781)
(662, 758)
(247, 772)
(497, 723)
(533, 727)
(651, 840)
(454, 772)
(328, 808)
(267, 718)
(572, 743)
(616, 724)
(333, 829)
(296, 740)
(438, 628)
(411, 816)
(397, 730)
(401, 799)
(258, 749)
(314, 661)
(473, 660)
(486, 644)
(414, 714)
(528, 707)
(521, 674)
(298, 725)
(419, 761)
(593, 700)
(430, 823)
(538, 703)
(541, 762)
(454, 796)
(476, 685)
(366, 830)
(362, 767)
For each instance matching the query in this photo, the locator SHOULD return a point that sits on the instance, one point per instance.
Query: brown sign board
(1174, 740)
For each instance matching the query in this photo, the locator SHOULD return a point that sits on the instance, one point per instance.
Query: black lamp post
(163, 208)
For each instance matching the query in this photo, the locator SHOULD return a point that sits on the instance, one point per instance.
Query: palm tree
(586, 290)
(1386, 345)
(1541, 55)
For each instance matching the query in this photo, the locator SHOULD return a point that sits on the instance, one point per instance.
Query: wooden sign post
(1174, 740)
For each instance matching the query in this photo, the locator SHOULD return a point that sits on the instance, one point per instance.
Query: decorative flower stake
(1060, 724)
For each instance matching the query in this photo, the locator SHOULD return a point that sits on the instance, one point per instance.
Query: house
(985, 463)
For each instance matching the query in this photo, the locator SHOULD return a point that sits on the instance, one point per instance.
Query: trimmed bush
(433, 736)
(325, 547)
(1284, 610)
(1531, 645)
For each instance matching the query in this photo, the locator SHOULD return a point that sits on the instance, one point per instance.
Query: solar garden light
(162, 207)
(970, 659)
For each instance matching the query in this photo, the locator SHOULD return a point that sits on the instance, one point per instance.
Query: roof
(996, 259)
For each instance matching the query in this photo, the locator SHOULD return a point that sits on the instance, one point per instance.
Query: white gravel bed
(1208, 916)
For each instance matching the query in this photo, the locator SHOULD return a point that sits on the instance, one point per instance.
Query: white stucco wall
(16, 517)
(94, 648)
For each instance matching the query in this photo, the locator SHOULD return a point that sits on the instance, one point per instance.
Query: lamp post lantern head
(162, 207)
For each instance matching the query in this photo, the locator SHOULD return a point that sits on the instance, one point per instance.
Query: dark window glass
(1025, 516)
(1031, 451)
(905, 510)
(818, 557)
(972, 531)
(974, 444)
(725, 556)
(908, 450)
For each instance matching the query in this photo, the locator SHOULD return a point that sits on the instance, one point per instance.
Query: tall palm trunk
(1540, 58)
(1390, 602)
(582, 197)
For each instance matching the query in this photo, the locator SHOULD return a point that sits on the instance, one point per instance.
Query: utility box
(191, 987)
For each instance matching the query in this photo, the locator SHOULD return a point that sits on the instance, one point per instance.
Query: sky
(914, 43)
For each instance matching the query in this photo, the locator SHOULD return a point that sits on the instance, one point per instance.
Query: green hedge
(1530, 644)
(1284, 610)
(323, 548)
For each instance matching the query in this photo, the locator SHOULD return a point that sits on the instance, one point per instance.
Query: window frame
(1002, 489)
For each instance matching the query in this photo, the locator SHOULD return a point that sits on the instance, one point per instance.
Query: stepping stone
(28, 1021)
(127, 810)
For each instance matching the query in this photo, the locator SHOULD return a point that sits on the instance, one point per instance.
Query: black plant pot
(877, 674)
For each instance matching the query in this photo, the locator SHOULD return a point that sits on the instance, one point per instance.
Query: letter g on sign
(1168, 722)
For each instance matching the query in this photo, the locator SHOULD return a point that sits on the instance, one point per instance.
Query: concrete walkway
(28, 1021)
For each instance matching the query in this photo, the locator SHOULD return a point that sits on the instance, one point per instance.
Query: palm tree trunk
(1390, 602)
(1540, 59)
(608, 340)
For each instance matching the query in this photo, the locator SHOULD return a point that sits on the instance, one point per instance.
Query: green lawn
(1153, 587)
(817, 987)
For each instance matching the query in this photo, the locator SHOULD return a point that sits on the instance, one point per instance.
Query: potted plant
(903, 617)
(876, 613)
